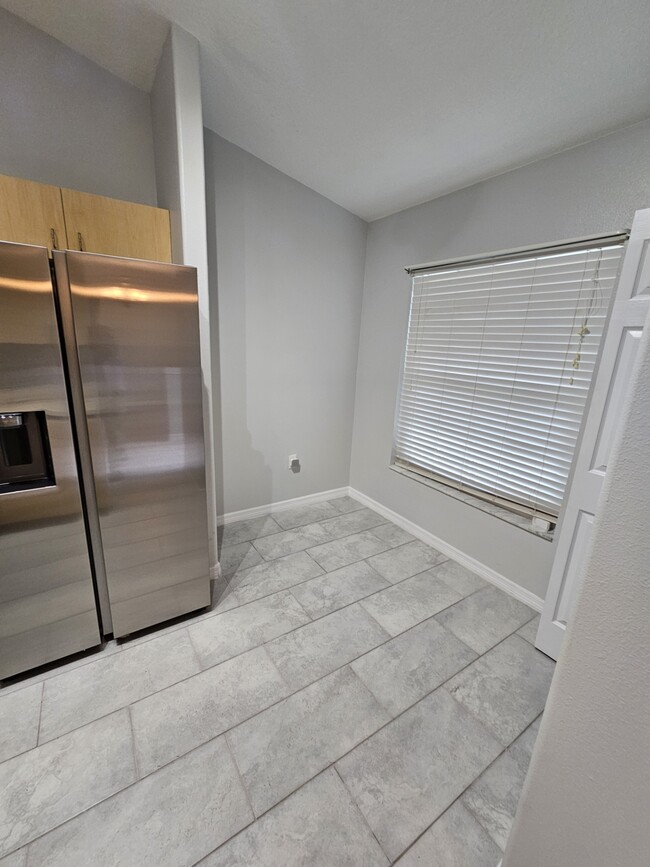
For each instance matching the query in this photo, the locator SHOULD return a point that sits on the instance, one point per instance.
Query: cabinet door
(31, 213)
(101, 225)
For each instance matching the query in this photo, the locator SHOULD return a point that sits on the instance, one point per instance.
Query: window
(499, 358)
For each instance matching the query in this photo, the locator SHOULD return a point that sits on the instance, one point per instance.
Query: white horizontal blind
(498, 364)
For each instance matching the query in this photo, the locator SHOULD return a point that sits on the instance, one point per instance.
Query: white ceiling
(382, 104)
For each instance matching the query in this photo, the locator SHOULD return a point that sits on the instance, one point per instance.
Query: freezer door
(47, 602)
(137, 335)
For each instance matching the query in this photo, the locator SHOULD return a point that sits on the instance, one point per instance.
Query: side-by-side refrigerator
(103, 516)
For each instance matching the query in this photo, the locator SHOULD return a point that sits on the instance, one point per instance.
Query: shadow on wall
(232, 415)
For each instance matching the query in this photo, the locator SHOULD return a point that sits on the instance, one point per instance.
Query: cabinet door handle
(81, 241)
(55, 245)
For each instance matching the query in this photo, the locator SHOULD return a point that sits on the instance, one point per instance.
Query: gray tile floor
(352, 698)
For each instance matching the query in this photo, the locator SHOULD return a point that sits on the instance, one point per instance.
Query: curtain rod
(517, 252)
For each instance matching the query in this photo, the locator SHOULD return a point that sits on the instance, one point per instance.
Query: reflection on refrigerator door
(103, 514)
(139, 378)
(47, 601)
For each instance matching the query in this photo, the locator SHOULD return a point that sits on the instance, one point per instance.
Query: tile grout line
(136, 764)
(464, 792)
(300, 626)
(215, 613)
(211, 614)
(324, 542)
(264, 644)
(95, 654)
(40, 715)
(331, 764)
(283, 679)
(390, 721)
(244, 789)
(294, 629)
(470, 711)
(353, 563)
(360, 811)
(197, 658)
(367, 738)
(269, 641)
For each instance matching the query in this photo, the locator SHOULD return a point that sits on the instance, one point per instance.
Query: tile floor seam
(136, 763)
(456, 800)
(318, 544)
(28, 843)
(298, 603)
(209, 614)
(40, 714)
(470, 711)
(196, 656)
(226, 733)
(476, 779)
(383, 726)
(383, 629)
(364, 685)
(120, 647)
(286, 529)
(318, 564)
(38, 732)
(468, 807)
(284, 698)
(280, 675)
(263, 645)
(364, 740)
(33, 679)
(361, 813)
(331, 766)
(367, 530)
(110, 797)
(244, 789)
(295, 629)
(354, 563)
(291, 587)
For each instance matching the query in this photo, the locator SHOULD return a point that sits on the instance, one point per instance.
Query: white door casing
(629, 310)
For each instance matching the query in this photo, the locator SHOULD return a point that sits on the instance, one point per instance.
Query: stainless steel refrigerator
(103, 516)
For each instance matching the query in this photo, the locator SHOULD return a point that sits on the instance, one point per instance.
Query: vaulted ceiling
(382, 104)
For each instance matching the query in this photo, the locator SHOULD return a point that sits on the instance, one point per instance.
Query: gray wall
(586, 797)
(286, 271)
(65, 121)
(596, 187)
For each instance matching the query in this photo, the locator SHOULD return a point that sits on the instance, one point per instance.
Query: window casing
(498, 364)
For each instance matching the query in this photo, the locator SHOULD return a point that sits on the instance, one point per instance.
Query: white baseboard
(456, 554)
(258, 511)
(481, 569)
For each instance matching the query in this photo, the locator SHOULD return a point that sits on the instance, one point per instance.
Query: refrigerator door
(137, 335)
(47, 600)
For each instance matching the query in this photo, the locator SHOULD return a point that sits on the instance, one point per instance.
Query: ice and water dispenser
(25, 458)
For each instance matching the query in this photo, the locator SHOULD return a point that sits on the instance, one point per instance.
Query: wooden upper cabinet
(101, 225)
(31, 213)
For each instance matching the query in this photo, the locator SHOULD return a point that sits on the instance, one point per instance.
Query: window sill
(493, 509)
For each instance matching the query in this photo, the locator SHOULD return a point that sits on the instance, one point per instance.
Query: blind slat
(497, 370)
